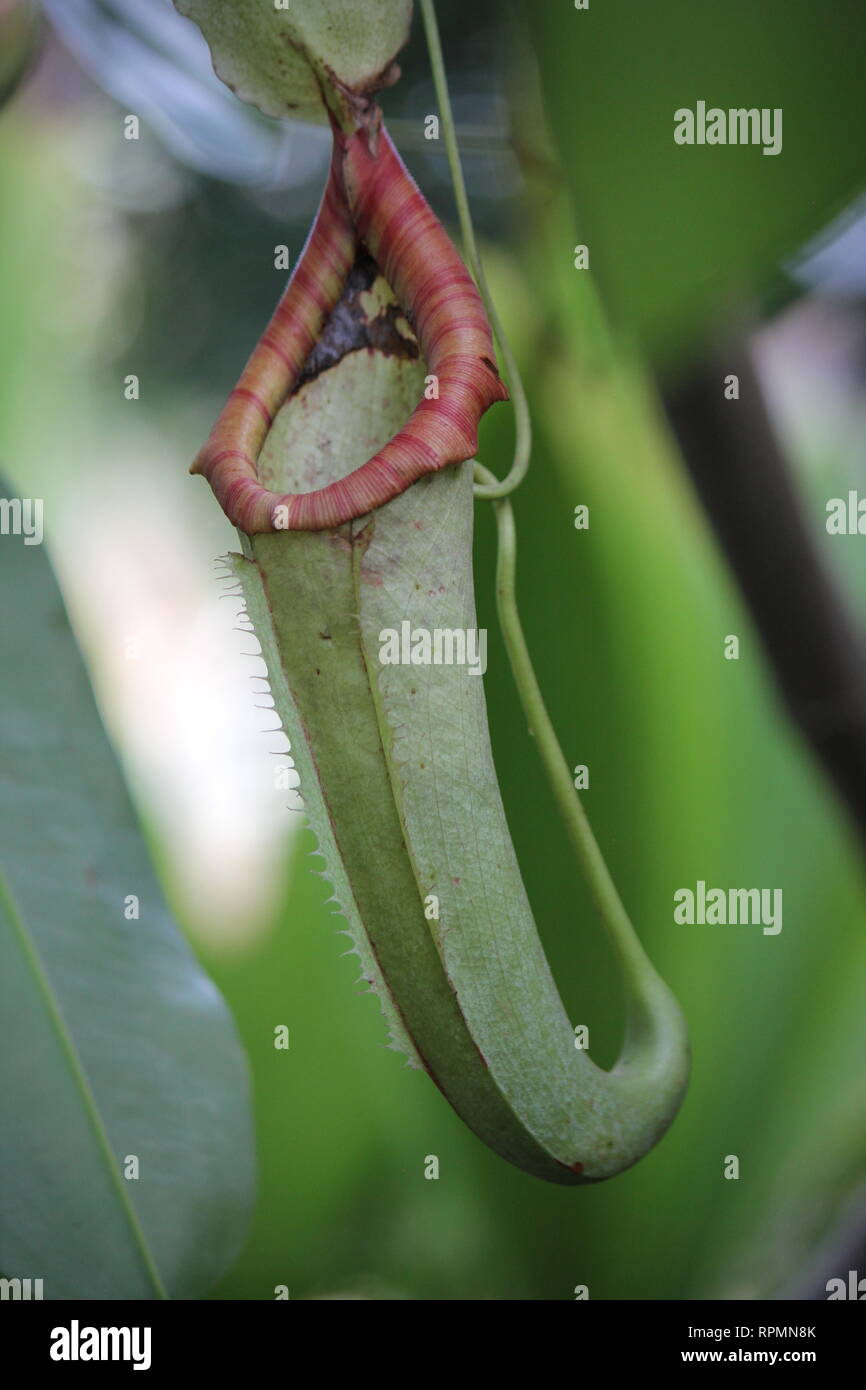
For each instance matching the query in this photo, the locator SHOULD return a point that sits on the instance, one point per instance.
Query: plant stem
(812, 635)
(522, 422)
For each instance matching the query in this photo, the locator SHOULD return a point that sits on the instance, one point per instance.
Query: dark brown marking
(348, 328)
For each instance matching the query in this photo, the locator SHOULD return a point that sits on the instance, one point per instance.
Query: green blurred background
(154, 258)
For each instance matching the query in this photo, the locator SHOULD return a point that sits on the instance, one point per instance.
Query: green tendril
(602, 887)
(493, 488)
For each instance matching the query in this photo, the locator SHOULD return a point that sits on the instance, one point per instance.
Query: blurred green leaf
(116, 1043)
(679, 233)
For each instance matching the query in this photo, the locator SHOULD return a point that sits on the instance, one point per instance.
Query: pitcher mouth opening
(370, 204)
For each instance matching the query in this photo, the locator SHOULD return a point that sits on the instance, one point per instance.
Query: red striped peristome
(370, 197)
